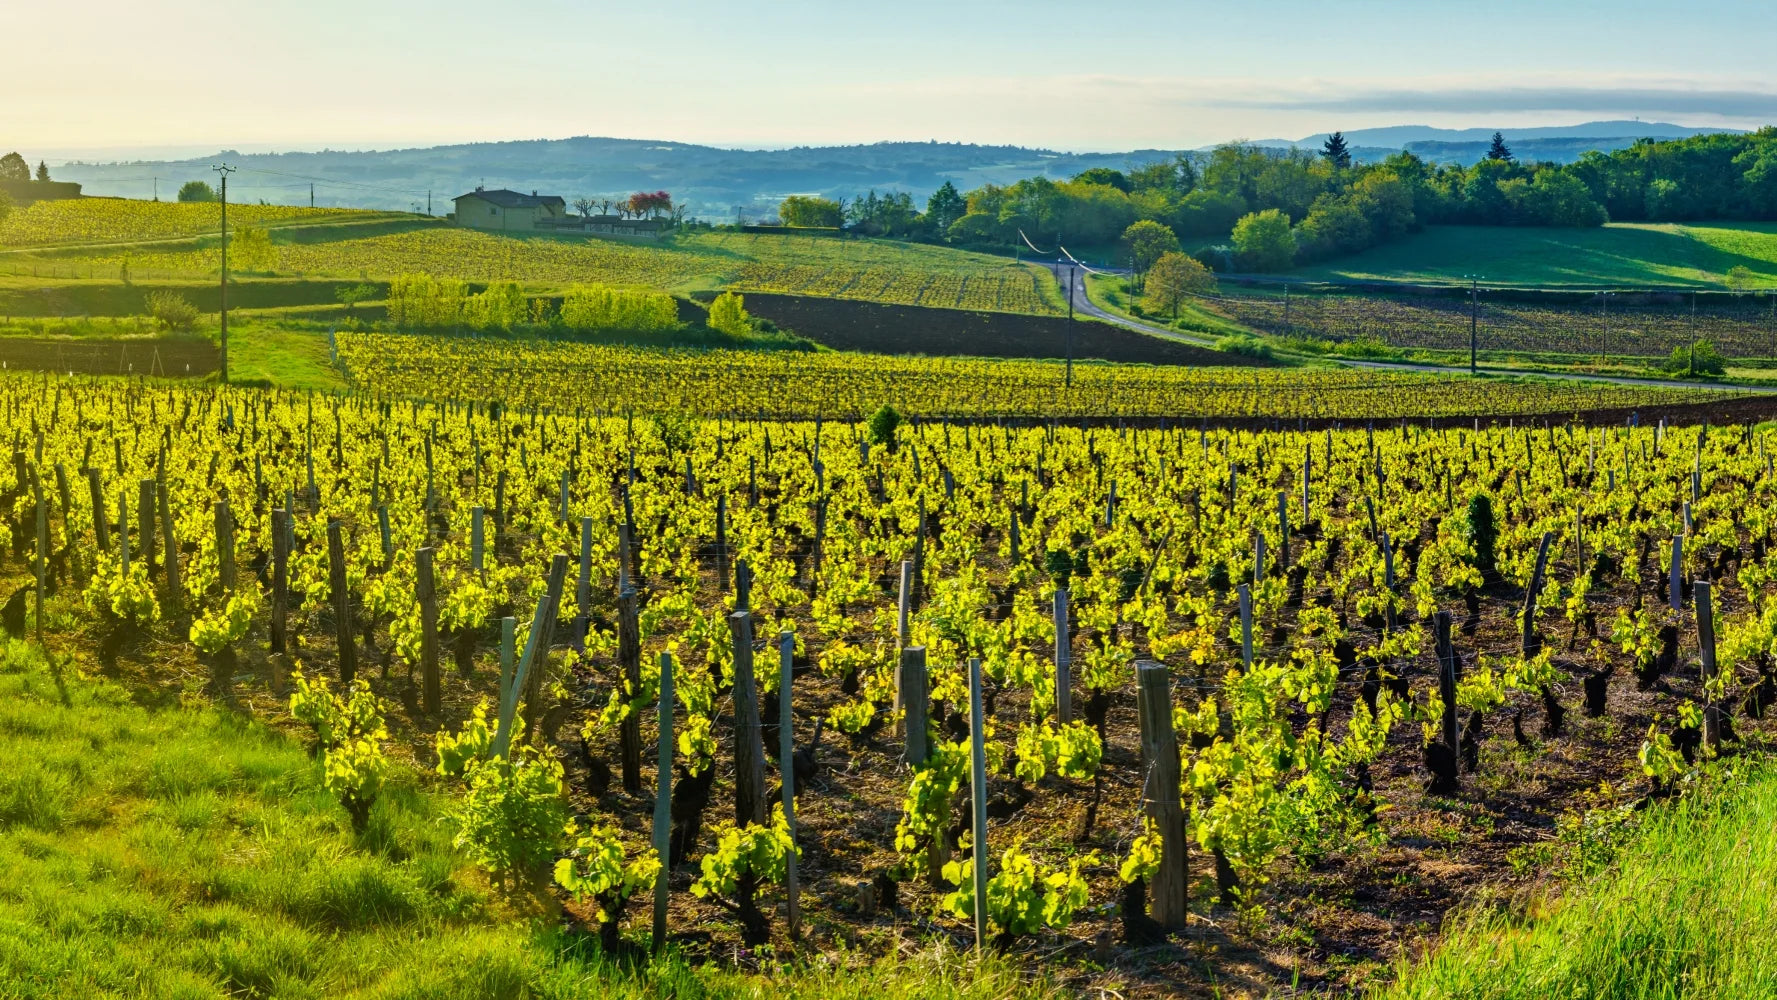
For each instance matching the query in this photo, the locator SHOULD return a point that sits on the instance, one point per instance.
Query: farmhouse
(509, 210)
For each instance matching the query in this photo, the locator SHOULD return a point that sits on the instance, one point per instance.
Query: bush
(883, 424)
(596, 308)
(172, 310)
(5, 206)
(1263, 241)
(1245, 346)
(728, 314)
(1483, 533)
(1703, 359)
(196, 191)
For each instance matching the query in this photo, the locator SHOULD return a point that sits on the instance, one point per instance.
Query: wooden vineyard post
(749, 750)
(426, 593)
(67, 503)
(903, 627)
(477, 539)
(786, 766)
(508, 661)
(1388, 581)
(1283, 529)
(1531, 644)
(629, 657)
(1246, 625)
(42, 560)
(225, 568)
(663, 800)
(145, 524)
(536, 649)
(1446, 677)
(342, 602)
(1169, 893)
(583, 620)
(170, 546)
(915, 703)
(1064, 681)
(1674, 580)
(978, 798)
(1706, 644)
(533, 682)
(101, 527)
(385, 535)
(722, 540)
(280, 577)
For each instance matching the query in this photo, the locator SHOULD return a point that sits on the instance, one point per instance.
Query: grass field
(156, 846)
(1618, 255)
(1685, 913)
(337, 246)
(116, 220)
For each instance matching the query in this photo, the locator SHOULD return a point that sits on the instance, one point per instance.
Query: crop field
(1375, 665)
(850, 386)
(1618, 255)
(1644, 325)
(872, 270)
(116, 220)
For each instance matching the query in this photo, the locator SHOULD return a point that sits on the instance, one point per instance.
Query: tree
(1739, 278)
(1335, 151)
(944, 207)
(811, 212)
(1147, 240)
(43, 171)
(1264, 242)
(1499, 150)
(583, 206)
(728, 314)
(648, 203)
(196, 191)
(1174, 278)
(1105, 176)
(5, 207)
(14, 168)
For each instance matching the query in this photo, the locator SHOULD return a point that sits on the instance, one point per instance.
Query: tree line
(1246, 207)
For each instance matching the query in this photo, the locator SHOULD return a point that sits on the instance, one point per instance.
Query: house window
(491, 210)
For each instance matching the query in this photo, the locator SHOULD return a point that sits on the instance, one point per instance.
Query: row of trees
(1259, 208)
(641, 205)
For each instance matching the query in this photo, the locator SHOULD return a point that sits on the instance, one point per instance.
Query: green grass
(186, 851)
(289, 356)
(1687, 912)
(1620, 255)
(1107, 291)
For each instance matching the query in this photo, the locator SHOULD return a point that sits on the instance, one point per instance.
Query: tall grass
(1689, 911)
(190, 852)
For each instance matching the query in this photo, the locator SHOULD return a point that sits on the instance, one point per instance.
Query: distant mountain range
(729, 184)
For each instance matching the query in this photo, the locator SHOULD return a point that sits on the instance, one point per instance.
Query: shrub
(5, 206)
(348, 737)
(1703, 359)
(1482, 533)
(728, 314)
(1245, 346)
(196, 191)
(883, 424)
(513, 817)
(172, 310)
(1263, 241)
(595, 308)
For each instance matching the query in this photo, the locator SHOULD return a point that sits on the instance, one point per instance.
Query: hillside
(1616, 255)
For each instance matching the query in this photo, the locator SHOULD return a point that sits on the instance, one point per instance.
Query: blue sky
(199, 75)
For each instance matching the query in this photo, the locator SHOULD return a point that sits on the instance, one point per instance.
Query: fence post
(101, 527)
(1160, 793)
(663, 800)
(786, 766)
(629, 658)
(1706, 643)
(225, 568)
(280, 577)
(749, 751)
(425, 592)
(342, 604)
(1674, 580)
(1064, 661)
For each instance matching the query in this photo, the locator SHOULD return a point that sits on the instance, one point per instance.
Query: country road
(1083, 305)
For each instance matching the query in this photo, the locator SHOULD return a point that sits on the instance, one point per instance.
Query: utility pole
(1604, 343)
(224, 169)
(428, 203)
(311, 194)
(1474, 320)
(1286, 308)
(157, 189)
(1070, 323)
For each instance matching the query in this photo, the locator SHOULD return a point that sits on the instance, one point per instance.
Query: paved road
(1085, 306)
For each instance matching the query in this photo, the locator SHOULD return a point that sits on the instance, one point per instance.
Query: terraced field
(116, 220)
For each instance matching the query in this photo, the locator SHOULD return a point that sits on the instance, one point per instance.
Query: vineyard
(115, 220)
(1284, 697)
(1643, 325)
(778, 385)
(873, 270)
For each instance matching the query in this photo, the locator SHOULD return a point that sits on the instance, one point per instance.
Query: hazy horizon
(198, 76)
